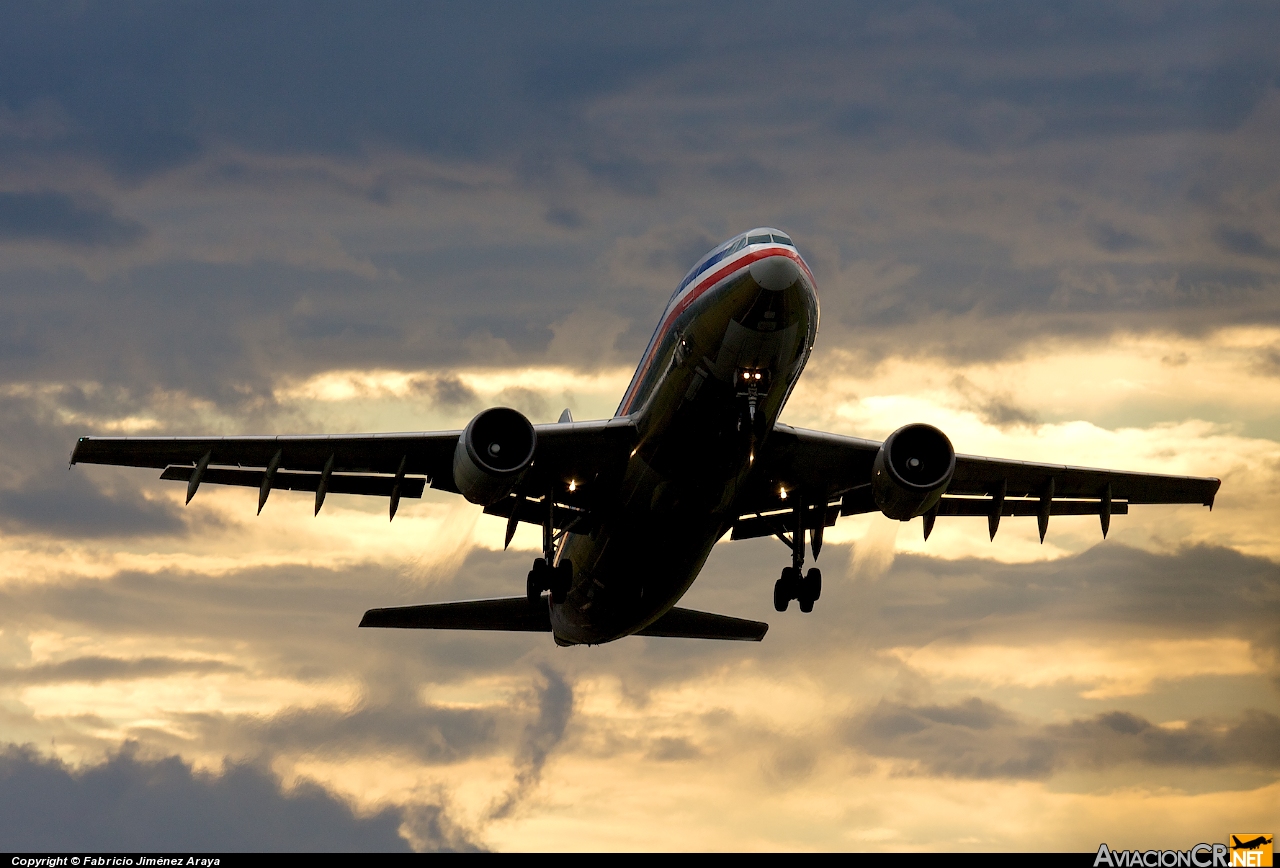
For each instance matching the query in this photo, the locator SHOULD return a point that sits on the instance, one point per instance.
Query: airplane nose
(775, 273)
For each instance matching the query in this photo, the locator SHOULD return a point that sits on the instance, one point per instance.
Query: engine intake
(912, 470)
(492, 454)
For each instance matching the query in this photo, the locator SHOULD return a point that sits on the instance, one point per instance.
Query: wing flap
(778, 523)
(692, 624)
(535, 511)
(976, 475)
(424, 454)
(1026, 507)
(514, 614)
(286, 480)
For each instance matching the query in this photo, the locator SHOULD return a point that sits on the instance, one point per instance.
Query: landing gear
(537, 582)
(546, 574)
(557, 579)
(792, 586)
(810, 589)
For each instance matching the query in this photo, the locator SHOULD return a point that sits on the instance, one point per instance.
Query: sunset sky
(1051, 229)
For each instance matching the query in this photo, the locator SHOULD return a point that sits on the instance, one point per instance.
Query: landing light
(573, 485)
(782, 492)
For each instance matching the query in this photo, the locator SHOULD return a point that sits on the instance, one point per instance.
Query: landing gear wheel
(810, 588)
(537, 582)
(561, 580)
(784, 590)
(813, 583)
(781, 598)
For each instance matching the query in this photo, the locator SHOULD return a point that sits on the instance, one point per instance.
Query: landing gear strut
(793, 586)
(547, 575)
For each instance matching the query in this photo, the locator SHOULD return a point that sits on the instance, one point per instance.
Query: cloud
(294, 219)
(57, 217)
(1114, 240)
(68, 503)
(129, 803)
(1245, 242)
(95, 669)
(978, 739)
(541, 736)
(430, 734)
(992, 407)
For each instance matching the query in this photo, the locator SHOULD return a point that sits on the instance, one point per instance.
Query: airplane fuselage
(727, 352)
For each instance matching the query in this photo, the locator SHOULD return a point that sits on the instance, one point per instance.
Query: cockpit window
(729, 249)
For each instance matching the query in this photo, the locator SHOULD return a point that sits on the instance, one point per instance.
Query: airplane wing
(381, 465)
(830, 475)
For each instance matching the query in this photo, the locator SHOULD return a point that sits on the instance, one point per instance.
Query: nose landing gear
(805, 589)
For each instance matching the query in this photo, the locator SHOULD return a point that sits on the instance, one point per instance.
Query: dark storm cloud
(611, 122)
(51, 216)
(977, 739)
(150, 85)
(127, 803)
(1245, 242)
(68, 504)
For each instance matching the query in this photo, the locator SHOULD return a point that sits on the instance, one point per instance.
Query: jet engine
(492, 454)
(912, 470)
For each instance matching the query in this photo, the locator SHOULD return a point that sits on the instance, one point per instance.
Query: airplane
(630, 507)
(1251, 844)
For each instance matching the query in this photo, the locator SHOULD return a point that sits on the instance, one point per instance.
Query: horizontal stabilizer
(691, 624)
(505, 613)
(518, 614)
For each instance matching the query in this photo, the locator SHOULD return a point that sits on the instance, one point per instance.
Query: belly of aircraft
(676, 495)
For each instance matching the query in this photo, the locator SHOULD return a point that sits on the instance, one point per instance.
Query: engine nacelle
(493, 453)
(912, 470)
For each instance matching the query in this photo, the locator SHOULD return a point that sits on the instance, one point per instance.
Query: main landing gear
(806, 588)
(547, 575)
(792, 586)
